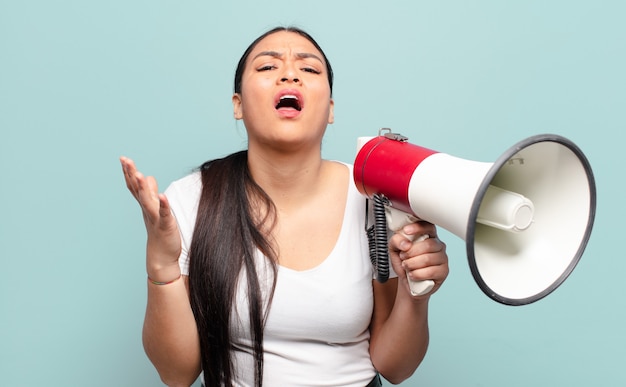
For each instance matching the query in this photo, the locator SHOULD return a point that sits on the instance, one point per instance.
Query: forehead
(287, 43)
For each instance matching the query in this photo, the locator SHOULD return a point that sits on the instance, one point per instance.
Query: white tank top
(316, 332)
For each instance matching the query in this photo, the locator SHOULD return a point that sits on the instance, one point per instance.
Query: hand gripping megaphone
(526, 218)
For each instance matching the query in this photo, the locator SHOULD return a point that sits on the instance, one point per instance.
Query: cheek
(257, 81)
(251, 107)
(324, 101)
(256, 95)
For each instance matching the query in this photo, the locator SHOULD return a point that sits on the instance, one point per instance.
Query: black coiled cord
(377, 239)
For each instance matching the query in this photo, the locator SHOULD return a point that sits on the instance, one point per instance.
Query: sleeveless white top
(316, 332)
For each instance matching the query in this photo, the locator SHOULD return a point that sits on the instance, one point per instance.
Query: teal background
(83, 82)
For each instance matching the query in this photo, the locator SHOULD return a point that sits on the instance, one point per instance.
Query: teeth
(289, 101)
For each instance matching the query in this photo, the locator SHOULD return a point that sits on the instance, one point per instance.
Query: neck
(286, 177)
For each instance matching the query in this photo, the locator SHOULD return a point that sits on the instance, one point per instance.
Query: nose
(289, 73)
(290, 78)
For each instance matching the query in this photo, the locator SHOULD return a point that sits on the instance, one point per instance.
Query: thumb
(164, 207)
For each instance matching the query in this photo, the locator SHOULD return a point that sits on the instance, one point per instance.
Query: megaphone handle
(419, 288)
(396, 220)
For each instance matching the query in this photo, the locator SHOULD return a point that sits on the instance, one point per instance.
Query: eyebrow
(278, 55)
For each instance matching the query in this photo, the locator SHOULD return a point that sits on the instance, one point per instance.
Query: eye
(266, 68)
(311, 70)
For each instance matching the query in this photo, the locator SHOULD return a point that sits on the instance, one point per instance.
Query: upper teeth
(288, 96)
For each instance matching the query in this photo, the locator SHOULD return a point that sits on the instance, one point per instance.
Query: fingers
(164, 206)
(145, 190)
(130, 175)
(429, 252)
(135, 180)
(422, 259)
(432, 265)
(404, 240)
(427, 266)
(420, 228)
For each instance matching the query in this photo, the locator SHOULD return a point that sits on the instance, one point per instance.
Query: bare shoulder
(336, 170)
(335, 179)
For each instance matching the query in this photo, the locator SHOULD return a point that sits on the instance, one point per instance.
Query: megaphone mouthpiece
(505, 210)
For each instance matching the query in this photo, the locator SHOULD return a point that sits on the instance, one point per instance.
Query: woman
(258, 270)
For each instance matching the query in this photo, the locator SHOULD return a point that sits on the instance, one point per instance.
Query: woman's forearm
(170, 335)
(400, 344)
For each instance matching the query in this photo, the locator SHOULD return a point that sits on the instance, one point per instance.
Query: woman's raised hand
(163, 245)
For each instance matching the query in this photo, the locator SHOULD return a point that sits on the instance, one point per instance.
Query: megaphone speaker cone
(517, 268)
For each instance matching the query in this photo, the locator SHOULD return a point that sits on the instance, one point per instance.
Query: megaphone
(526, 218)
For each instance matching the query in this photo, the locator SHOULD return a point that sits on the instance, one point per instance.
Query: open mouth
(289, 101)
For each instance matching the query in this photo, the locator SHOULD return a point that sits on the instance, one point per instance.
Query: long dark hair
(235, 219)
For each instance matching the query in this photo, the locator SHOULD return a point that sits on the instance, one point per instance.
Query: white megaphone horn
(526, 218)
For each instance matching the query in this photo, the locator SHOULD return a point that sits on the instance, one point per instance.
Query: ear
(331, 112)
(237, 106)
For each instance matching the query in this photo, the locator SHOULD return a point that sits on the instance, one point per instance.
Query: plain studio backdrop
(83, 82)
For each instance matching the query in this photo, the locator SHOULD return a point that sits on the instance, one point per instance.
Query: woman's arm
(170, 334)
(399, 328)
